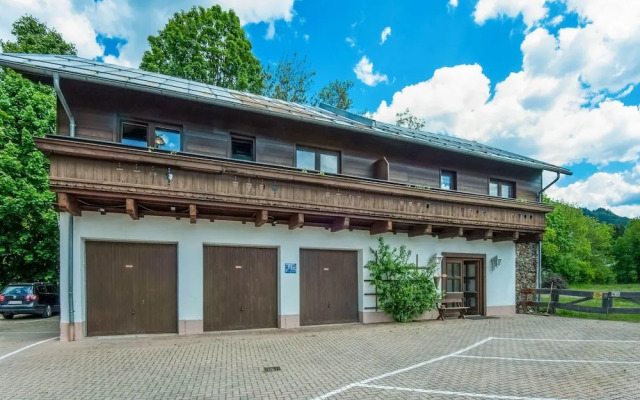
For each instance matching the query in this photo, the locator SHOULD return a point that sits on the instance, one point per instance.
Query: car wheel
(7, 316)
(47, 312)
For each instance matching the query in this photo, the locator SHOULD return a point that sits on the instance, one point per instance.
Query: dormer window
(148, 134)
(242, 148)
(318, 160)
(502, 188)
(448, 180)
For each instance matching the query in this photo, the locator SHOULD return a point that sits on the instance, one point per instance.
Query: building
(185, 207)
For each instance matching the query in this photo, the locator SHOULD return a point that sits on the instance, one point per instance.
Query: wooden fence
(573, 298)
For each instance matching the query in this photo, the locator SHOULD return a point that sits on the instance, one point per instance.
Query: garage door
(240, 288)
(131, 288)
(328, 287)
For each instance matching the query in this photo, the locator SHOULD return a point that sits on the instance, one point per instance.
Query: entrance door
(131, 288)
(328, 287)
(466, 275)
(240, 288)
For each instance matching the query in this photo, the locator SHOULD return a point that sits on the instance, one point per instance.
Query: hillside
(604, 215)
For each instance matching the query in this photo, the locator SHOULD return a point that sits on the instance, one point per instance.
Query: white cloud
(271, 31)
(351, 42)
(80, 21)
(306, 37)
(386, 32)
(532, 11)
(364, 72)
(453, 3)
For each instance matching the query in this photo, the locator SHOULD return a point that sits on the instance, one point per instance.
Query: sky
(553, 80)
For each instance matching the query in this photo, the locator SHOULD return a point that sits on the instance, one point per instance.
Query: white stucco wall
(190, 238)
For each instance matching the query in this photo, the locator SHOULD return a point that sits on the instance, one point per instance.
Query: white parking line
(568, 340)
(399, 371)
(24, 348)
(446, 392)
(549, 360)
(28, 333)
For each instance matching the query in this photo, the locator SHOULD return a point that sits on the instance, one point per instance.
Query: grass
(598, 302)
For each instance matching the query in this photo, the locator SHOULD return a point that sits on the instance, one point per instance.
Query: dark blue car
(39, 298)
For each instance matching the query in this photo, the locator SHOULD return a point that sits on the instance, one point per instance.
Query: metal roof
(72, 67)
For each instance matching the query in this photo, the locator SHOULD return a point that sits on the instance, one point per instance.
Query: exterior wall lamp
(438, 260)
(495, 262)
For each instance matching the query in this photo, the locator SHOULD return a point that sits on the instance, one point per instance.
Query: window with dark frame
(148, 134)
(448, 180)
(242, 149)
(501, 188)
(318, 160)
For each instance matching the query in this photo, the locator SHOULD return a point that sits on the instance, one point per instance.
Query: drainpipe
(71, 333)
(539, 285)
(63, 101)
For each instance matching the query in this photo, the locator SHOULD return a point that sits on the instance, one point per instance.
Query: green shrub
(404, 291)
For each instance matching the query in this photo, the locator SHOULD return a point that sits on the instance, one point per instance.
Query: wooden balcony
(112, 178)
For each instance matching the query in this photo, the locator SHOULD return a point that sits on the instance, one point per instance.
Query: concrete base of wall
(71, 332)
(376, 317)
(190, 326)
(501, 310)
(288, 321)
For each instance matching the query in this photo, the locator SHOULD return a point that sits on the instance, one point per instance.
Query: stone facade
(526, 267)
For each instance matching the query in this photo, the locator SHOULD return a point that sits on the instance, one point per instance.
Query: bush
(404, 291)
(558, 281)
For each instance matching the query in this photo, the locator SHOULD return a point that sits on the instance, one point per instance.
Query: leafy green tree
(290, 79)
(29, 228)
(32, 36)
(404, 291)
(336, 94)
(205, 45)
(408, 120)
(627, 254)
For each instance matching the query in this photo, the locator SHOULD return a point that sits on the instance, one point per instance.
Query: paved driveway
(520, 358)
(25, 330)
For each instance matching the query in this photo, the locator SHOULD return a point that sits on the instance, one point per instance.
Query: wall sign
(290, 268)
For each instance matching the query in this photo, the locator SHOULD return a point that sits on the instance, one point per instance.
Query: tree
(290, 79)
(627, 253)
(336, 94)
(205, 45)
(32, 36)
(29, 229)
(408, 120)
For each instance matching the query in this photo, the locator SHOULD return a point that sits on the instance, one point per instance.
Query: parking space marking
(28, 333)
(25, 348)
(399, 371)
(568, 340)
(464, 394)
(550, 360)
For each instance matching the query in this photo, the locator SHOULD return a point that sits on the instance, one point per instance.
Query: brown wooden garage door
(131, 288)
(240, 288)
(328, 287)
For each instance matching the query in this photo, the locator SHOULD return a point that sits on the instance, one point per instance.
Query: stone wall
(526, 267)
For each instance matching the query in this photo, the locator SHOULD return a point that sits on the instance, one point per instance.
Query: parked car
(39, 298)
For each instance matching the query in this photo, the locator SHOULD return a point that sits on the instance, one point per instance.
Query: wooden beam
(481, 234)
(132, 209)
(530, 238)
(451, 233)
(262, 216)
(68, 203)
(381, 227)
(193, 213)
(296, 221)
(339, 224)
(420, 230)
(506, 236)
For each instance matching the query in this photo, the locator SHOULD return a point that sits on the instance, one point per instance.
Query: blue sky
(554, 80)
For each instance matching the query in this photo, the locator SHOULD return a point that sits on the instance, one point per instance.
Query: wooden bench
(452, 303)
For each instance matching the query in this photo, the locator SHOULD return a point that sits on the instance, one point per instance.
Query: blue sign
(290, 268)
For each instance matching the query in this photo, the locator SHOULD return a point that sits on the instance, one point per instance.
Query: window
(501, 188)
(318, 160)
(448, 180)
(144, 134)
(242, 149)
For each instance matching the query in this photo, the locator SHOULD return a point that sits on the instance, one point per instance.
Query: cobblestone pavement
(453, 360)
(24, 330)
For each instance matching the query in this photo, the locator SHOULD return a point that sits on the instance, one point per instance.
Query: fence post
(607, 302)
(555, 299)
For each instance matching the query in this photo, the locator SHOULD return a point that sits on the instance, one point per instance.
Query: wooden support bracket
(381, 227)
(296, 221)
(506, 236)
(132, 209)
(451, 233)
(339, 224)
(262, 216)
(421, 230)
(68, 203)
(193, 213)
(530, 238)
(482, 234)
